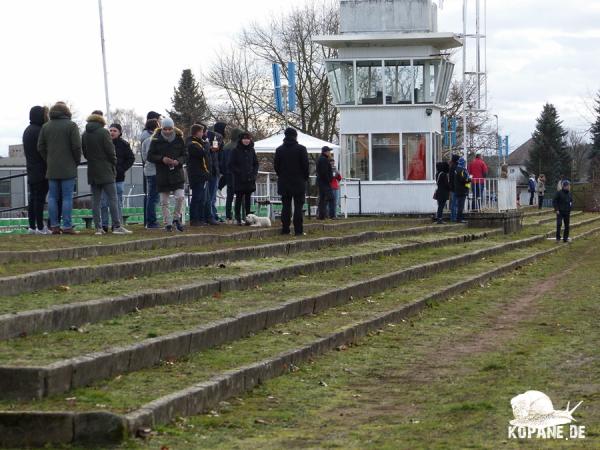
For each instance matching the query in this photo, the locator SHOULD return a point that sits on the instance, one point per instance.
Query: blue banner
(454, 123)
(277, 83)
(499, 145)
(506, 146)
(292, 86)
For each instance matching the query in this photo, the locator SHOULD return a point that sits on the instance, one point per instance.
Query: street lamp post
(104, 61)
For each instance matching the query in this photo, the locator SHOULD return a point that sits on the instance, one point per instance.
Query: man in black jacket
(324, 177)
(36, 170)
(291, 166)
(563, 203)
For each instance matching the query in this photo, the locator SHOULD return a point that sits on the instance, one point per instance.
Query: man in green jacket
(99, 151)
(60, 146)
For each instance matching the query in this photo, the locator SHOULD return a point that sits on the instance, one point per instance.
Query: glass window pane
(414, 154)
(426, 75)
(398, 82)
(341, 79)
(386, 157)
(369, 81)
(355, 155)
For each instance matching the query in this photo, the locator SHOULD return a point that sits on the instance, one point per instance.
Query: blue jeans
(198, 202)
(210, 209)
(333, 203)
(63, 189)
(453, 207)
(104, 204)
(151, 200)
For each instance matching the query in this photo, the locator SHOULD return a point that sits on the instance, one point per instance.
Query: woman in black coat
(243, 166)
(443, 188)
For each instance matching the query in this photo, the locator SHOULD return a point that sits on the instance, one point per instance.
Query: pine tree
(549, 154)
(595, 152)
(189, 104)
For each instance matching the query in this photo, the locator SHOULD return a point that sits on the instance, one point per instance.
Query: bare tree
(290, 38)
(579, 150)
(132, 125)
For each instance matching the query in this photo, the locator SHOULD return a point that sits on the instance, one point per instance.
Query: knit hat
(461, 162)
(152, 115)
(167, 122)
(220, 128)
(290, 133)
(118, 127)
(565, 183)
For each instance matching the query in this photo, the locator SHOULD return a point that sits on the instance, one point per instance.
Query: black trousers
(246, 198)
(286, 213)
(460, 208)
(440, 210)
(37, 199)
(560, 218)
(540, 201)
(531, 195)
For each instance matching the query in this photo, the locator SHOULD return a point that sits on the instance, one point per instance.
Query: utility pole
(104, 62)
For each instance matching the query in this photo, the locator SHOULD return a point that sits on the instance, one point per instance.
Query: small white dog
(255, 221)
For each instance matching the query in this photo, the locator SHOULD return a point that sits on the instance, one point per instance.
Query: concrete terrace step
(63, 317)
(69, 374)
(181, 240)
(102, 426)
(43, 279)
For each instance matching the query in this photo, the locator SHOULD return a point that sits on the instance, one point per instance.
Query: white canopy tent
(312, 144)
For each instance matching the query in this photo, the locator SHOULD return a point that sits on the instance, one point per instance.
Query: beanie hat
(220, 128)
(167, 122)
(565, 183)
(290, 133)
(152, 115)
(461, 162)
(118, 127)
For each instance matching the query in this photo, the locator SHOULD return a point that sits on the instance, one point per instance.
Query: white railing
(492, 194)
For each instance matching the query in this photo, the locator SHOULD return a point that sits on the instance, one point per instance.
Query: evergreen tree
(549, 154)
(189, 104)
(595, 152)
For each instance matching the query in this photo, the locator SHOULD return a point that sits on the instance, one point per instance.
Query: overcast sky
(538, 51)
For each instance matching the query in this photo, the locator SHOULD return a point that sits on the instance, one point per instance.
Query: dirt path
(440, 361)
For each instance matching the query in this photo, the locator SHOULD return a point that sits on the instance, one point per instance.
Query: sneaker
(153, 226)
(168, 228)
(44, 230)
(70, 231)
(213, 222)
(31, 231)
(99, 232)
(121, 230)
(177, 225)
(105, 228)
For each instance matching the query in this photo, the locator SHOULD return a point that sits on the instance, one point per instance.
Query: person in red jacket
(478, 170)
(335, 189)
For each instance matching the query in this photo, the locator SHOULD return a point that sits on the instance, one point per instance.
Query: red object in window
(416, 166)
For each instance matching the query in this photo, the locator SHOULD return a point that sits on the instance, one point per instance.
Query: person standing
(478, 170)
(531, 188)
(215, 138)
(291, 166)
(150, 174)
(36, 171)
(198, 169)
(243, 165)
(453, 198)
(324, 177)
(461, 188)
(226, 176)
(125, 159)
(167, 151)
(335, 190)
(59, 144)
(442, 193)
(99, 150)
(563, 203)
(541, 190)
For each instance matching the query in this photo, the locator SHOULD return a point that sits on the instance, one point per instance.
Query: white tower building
(390, 82)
